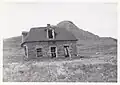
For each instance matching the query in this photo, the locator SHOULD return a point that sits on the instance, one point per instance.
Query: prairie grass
(92, 65)
(60, 71)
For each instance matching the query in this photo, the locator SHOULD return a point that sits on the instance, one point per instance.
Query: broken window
(39, 52)
(26, 50)
(53, 52)
(66, 50)
(50, 33)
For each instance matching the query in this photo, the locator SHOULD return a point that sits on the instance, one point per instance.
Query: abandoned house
(49, 41)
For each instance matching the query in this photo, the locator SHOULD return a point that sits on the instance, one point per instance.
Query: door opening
(53, 52)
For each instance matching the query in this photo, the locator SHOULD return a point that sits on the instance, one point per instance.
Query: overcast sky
(98, 18)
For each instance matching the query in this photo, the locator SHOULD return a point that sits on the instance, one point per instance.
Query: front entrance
(66, 51)
(53, 51)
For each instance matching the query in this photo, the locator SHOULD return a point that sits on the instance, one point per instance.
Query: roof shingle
(40, 34)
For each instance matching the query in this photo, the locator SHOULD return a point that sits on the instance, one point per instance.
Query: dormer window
(50, 32)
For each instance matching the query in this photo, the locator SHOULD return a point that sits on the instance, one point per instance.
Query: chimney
(24, 34)
(48, 25)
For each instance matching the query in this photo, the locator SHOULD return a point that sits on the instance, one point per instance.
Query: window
(39, 52)
(66, 51)
(51, 33)
(26, 50)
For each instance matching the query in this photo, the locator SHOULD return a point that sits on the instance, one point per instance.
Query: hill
(87, 44)
(97, 61)
(79, 33)
(88, 41)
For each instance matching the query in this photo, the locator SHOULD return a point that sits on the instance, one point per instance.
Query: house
(49, 41)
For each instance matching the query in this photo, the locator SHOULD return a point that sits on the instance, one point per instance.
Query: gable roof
(40, 34)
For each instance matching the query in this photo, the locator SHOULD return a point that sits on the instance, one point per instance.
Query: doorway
(53, 51)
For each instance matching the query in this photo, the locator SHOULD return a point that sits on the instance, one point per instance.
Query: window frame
(55, 51)
(67, 45)
(53, 33)
(40, 52)
(26, 51)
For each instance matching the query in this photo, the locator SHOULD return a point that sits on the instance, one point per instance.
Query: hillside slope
(87, 41)
(98, 63)
(79, 33)
(87, 44)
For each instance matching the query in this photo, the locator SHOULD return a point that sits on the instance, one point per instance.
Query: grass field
(72, 71)
(90, 67)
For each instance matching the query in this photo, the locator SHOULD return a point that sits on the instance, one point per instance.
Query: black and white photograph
(60, 42)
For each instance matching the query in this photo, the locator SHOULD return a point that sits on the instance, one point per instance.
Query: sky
(98, 18)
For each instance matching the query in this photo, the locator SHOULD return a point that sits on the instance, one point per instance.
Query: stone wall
(46, 46)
